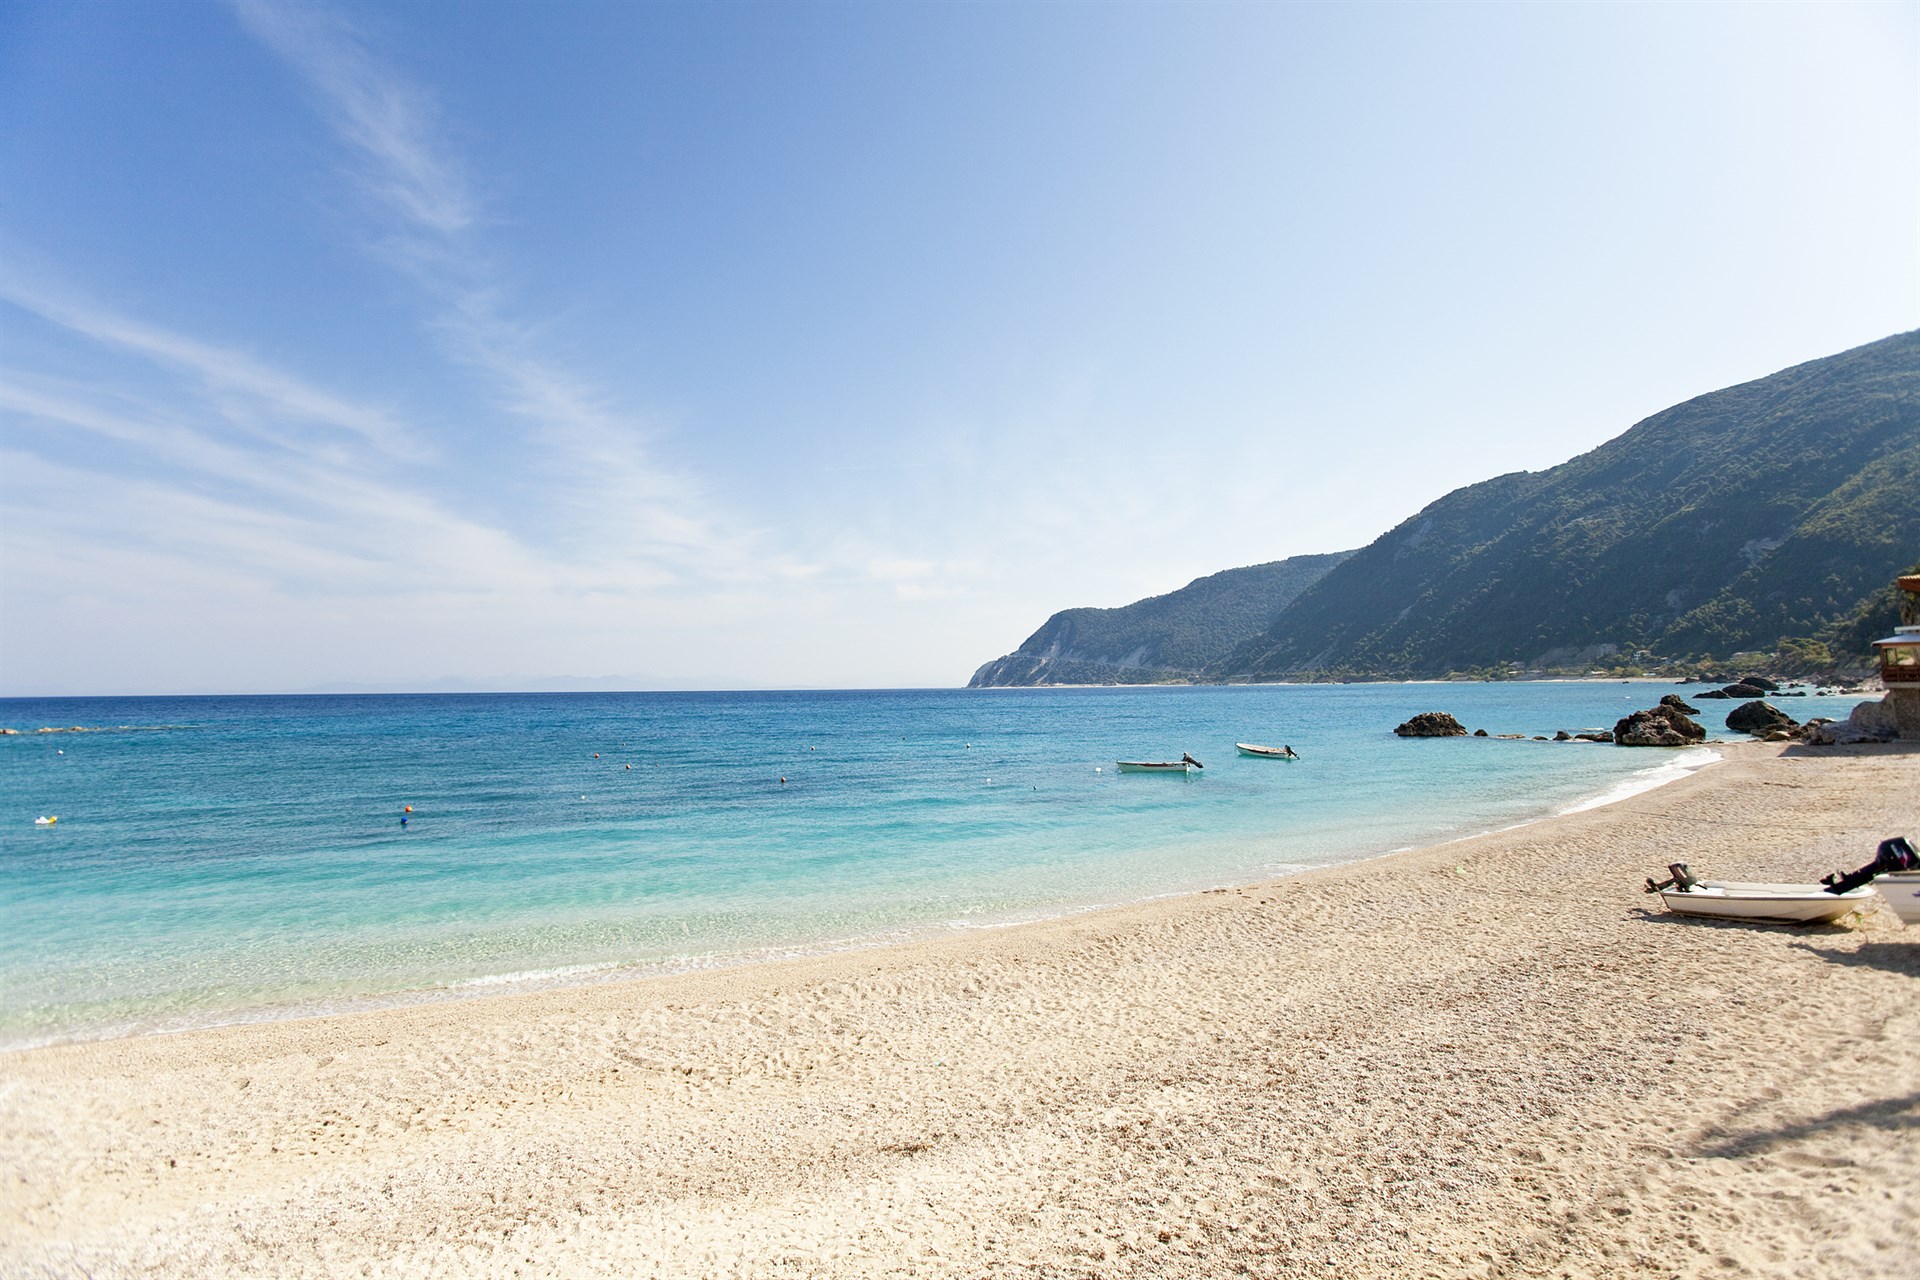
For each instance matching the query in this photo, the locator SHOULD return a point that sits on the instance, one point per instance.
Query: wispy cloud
(619, 501)
(287, 403)
(389, 123)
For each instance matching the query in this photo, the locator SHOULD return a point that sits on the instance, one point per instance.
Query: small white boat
(46, 821)
(1185, 764)
(1266, 753)
(1900, 890)
(1751, 900)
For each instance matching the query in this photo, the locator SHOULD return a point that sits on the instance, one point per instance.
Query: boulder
(1673, 700)
(1759, 719)
(1710, 693)
(1561, 735)
(1593, 737)
(1432, 724)
(1479, 733)
(1744, 690)
(1870, 722)
(1760, 682)
(1660, 726)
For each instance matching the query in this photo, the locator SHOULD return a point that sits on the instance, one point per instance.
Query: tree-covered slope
(1167, 637)
(1763, 511)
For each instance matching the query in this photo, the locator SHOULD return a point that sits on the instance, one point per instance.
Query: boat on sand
(1687, 895)
(1900, 890)
(1778, 903)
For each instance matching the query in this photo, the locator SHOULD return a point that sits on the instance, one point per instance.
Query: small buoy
(59, 752)
(1096, 768)
(403, 819)
(583, 797)
(813, 748)
(629, 766)
(409, 808)
(596, 755)
(783, 781)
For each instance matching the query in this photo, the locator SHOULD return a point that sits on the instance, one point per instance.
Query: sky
(507, 345)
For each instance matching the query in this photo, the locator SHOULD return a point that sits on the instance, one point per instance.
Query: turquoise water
(223, 858)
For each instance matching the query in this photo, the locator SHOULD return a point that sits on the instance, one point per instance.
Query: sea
(227, 859)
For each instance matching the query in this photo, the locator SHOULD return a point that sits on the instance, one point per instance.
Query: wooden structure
(1900, 659)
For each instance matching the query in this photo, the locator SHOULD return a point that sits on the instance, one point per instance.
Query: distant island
(1756, 525)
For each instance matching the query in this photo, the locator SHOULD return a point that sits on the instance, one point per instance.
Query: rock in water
(1432, 724)
(1743, 690)
(1661, 726)
(1673, 700)
(1759, 719)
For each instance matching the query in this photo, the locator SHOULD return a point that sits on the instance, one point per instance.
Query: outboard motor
(1679, 878)
(1897, 854)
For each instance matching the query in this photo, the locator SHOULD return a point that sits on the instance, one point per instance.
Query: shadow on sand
(1658, 915)
(1901, 957)
(1896, 1115)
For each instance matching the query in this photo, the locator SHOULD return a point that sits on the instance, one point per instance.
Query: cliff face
(1163, 639)
(1764, 511)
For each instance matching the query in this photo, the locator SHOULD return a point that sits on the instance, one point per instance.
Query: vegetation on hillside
(1739, 521)
(1163, 639)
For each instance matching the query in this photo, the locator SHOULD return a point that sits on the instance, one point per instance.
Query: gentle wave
(1689, 761)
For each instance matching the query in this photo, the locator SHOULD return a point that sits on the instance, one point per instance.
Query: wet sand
(1491, 1058)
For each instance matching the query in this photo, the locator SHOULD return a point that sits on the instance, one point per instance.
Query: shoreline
(1486, 1058)
(568, 977)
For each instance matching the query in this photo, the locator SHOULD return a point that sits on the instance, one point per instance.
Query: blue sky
(837, 345)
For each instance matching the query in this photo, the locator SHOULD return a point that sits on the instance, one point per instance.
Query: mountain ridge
(1761, 517)
(1161, 639)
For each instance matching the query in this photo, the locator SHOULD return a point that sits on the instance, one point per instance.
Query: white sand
(1494, 1058)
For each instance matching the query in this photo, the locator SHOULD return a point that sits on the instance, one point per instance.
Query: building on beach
(1900, 660)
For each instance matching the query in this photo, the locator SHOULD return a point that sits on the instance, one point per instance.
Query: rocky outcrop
(1759, 719)
(1432, 724)
(1740, 690)
(1870, 722)
(1674, 700)
(1661, 726)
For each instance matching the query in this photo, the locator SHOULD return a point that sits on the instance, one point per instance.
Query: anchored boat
(1266, 753)
(1185, 764)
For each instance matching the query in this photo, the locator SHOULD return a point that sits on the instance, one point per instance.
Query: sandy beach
(1491, 1058)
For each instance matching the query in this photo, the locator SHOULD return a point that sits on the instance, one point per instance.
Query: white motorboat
(1752, 900)
(1185, 764)
(1900, 890)
(1266, 753)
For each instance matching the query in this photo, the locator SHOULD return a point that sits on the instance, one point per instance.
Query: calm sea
(228, 858)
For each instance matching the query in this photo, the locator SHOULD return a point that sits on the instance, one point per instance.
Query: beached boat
(1751, 900)
(1185, 764)
(1266, 753)
(1900, 890)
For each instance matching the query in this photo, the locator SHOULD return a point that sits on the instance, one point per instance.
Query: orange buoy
(409, 808)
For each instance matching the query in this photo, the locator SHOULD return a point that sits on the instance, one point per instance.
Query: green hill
(1163, 639)
(1765, 512)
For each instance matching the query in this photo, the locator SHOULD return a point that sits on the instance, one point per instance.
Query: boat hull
(1152, 766)
(1263, 753)
(1900, 890)
(1775, 903)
